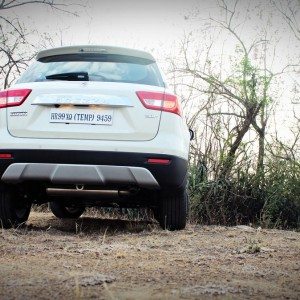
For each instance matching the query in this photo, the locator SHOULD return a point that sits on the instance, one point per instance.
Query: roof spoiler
(94, 49)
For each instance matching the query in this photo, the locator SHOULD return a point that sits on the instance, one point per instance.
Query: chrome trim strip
(82, 99)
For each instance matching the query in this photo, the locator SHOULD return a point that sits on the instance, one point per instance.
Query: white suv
(92, 126)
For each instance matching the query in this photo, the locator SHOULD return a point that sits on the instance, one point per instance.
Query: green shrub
(244, 199)
(282, 201)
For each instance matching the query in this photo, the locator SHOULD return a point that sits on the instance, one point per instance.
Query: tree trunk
(230, 159)
(260, 171)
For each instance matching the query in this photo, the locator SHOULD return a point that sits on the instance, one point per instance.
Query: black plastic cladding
(168, 176)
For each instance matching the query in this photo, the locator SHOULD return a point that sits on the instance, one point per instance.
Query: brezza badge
(18, 114)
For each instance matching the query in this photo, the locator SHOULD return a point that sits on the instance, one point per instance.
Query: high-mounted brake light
(160, 101)
(13, 97)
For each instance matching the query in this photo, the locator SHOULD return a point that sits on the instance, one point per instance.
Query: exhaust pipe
(79, 187)
(81, 192)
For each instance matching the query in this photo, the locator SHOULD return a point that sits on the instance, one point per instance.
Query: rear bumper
(80, 174)
(94, 168)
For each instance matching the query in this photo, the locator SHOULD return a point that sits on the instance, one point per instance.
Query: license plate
(81, 116)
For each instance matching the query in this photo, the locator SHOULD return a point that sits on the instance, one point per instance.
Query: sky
(132, 23)
(158, 26)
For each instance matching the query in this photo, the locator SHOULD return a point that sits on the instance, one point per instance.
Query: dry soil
(118, 259)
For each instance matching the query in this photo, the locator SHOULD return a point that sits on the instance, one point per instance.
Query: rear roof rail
(94, 49)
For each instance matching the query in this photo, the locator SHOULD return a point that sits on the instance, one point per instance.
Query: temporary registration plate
(81, 116)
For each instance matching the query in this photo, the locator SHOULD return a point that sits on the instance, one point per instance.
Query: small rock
(290, 238)
(251, 249)
(67, 266)
(245, 228)
(265, 249)
(230, 235)
(96, 279)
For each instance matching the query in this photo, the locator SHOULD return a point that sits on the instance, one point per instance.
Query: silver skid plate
(101, 175)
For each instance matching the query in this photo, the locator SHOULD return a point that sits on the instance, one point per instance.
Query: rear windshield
(100, 67)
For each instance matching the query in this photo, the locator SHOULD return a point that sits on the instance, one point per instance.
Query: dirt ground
(117, 259)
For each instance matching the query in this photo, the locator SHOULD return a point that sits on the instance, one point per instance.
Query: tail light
(160, 101)
(13, 97)
(6, 156)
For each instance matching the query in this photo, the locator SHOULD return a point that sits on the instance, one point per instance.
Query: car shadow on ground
(88, 225)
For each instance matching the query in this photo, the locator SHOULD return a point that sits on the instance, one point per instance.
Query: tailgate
(84, 110)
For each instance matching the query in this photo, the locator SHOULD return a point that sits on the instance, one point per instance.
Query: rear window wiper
(72, 76)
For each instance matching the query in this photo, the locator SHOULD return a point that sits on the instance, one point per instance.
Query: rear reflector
(158, 161)
(5, 156)
(13, 97)
(160, 101)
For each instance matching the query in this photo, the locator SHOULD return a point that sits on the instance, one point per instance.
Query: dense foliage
(243, 199)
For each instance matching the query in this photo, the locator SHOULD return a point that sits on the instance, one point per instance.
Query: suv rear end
(92, 126)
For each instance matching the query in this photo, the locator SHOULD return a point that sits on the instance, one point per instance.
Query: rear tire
(14, 209)
(65, 212)
(172, 210)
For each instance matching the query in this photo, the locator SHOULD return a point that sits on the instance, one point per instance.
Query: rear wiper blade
(72, 76)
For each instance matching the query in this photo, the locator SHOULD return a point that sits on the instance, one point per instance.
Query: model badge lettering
(19, 114)
(151, 116)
